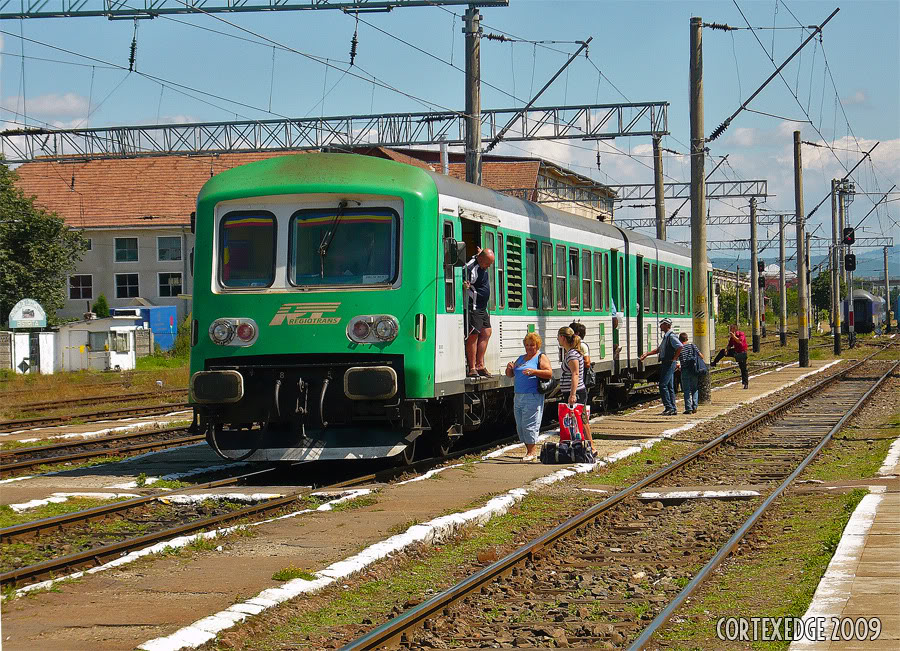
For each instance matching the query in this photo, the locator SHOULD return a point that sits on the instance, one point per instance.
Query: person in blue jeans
(668, 350)
(528, 403)
(690, 379)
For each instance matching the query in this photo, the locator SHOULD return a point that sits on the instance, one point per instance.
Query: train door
(490, 240)
(616, 306)
(642, 277)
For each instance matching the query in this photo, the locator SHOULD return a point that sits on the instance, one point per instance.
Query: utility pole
(699, 283)
(887, 293)
(737, 294)
(835, 271)
(809, 308)
(802, 322)
(472, 30)
(660, 192)
(754, 277)
(842, 209)
(782, 288)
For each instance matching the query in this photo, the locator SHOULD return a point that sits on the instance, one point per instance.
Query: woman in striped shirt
(571, 382)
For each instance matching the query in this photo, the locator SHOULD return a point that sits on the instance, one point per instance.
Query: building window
(98, 341)
(126, 249)
(169, 284)
(81, 286)
(121, 341)
(546, 276)
(90, 244)
(168, 248)
(127, 286)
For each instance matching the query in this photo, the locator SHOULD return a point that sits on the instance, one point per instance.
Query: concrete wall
(99, 262)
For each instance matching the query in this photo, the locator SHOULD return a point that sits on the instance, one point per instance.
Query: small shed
(160, 320)
(98, 344)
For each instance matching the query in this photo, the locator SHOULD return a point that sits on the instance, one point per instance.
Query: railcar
(868, 312)
(329, 305)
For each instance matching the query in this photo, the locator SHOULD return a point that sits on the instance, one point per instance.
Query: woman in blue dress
(528, 404)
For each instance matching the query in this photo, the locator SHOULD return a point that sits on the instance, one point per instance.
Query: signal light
(760, 265)
(849, 236)
(761, 281)
(850, 262)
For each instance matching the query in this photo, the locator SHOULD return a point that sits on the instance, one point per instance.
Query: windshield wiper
(328, 238)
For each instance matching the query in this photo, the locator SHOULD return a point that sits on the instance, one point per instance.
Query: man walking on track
(478, 331)
(669, 349)
(737, 348)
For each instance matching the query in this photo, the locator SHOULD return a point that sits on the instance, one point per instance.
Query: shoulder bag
(546, 386)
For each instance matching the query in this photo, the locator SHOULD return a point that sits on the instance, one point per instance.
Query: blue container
(162, 320)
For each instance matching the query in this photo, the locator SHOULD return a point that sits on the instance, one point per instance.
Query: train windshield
(344, 246)
(247, 249)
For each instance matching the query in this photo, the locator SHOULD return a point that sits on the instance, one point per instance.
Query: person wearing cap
(668, 350)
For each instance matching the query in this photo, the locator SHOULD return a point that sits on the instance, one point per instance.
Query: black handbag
(546, 386)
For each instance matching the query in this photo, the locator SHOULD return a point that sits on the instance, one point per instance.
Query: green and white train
(329, 307)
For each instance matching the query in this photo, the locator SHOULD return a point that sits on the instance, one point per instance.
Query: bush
(182, 348)
(101, 307)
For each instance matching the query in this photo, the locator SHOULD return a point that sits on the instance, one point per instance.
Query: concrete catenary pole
(887, 294)
(842, 208)
(659, 190)
(737, 294)
(754, 277)
(699, 283)
(810, 320)
(835, 271)
(782, 287)
(802, 320)
(472, 30)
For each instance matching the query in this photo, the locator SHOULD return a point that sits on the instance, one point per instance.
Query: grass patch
(358, 503)
(856, 452)
(9, 518)
(157, 362)
(778, 581)
(292, 572)
(169, 484)
(627, 471)
(59, 467)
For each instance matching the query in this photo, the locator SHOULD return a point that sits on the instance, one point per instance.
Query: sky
(842, 93)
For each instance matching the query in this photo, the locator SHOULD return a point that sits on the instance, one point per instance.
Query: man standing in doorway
(669, 349)
(737, 348)
(477, 284)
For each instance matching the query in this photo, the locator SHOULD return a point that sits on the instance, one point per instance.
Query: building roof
(162, 191)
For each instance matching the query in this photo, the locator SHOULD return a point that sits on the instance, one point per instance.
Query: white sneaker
(528, 458)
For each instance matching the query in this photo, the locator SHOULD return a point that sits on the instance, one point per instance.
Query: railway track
(613, 574)
(91, 400)
(20, 460)
(106, 414)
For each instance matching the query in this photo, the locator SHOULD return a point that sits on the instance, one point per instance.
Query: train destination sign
(27, 313)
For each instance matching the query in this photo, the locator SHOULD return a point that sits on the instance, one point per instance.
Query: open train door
(494, 241)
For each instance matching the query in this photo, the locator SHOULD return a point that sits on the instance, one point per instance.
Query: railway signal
(849, 236)
(850, 262)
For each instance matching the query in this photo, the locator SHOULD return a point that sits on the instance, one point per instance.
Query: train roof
(453, 187)
(861, 293)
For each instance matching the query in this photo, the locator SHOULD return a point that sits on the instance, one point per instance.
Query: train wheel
(618, 396)
(441, 445)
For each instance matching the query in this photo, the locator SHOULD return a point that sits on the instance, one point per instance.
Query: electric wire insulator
(131, 56)
(718, 131)
(722, 26)
(497, 37)
(353, 43)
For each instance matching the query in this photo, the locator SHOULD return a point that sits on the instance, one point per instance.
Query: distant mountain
(868, 263)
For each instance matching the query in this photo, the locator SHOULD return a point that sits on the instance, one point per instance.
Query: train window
(573, 279)
(514, 272)
(449, 276)
(247, 249)
(622, 298)
(677, 289)
(598, 281)
(683, 300)
(546, 276)
(344, 246)
(531, 275)
(501, 272)
(654, 296)
(646, 287)
(560, 277)
(606, 281)
(586, 279)
(669, 303)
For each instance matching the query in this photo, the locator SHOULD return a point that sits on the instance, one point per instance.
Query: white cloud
(859, 98)
(743, 137)
(50, 105)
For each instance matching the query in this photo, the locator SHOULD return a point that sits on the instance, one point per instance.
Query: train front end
(312, 331)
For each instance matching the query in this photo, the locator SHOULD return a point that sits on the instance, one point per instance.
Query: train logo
(306, 314)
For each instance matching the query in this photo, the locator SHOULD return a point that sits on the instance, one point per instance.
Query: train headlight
(221, 332)
(360, 330)
(233, 332)
(386, 328)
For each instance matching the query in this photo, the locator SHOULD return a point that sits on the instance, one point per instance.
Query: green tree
(101, 307)
(821, 290)
(37, 251)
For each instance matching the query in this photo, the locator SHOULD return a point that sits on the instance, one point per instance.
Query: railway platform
(863, 578)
